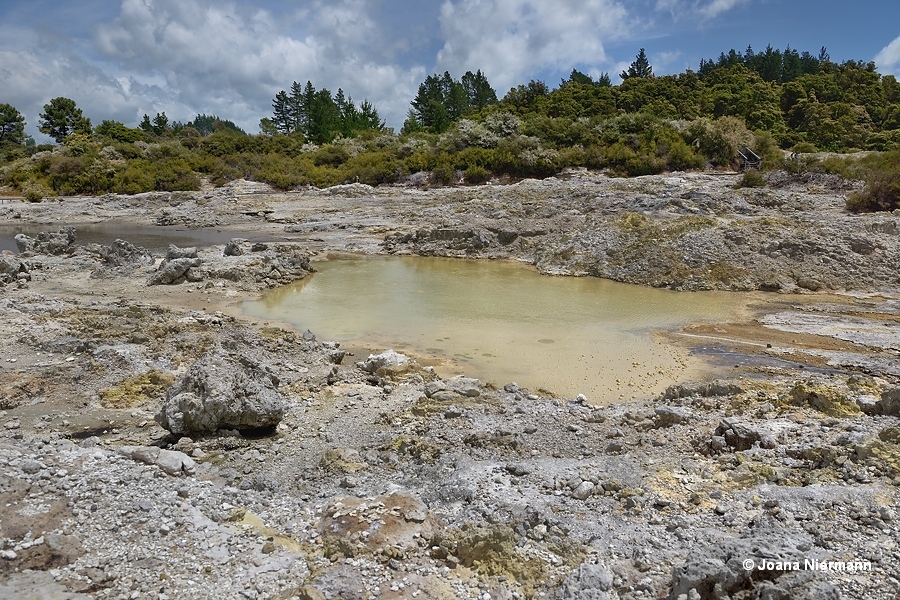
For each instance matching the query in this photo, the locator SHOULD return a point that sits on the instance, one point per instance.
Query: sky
(121, 59)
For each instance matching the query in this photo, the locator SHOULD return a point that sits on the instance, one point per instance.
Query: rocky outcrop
(222, 391)
(386, 361)
(12, 270)
(48, 242)
(175, 271)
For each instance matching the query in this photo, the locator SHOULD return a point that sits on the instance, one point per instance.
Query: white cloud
(694, 9)
(511, 40)
(717, 7)
(184, 57)
(889, 57)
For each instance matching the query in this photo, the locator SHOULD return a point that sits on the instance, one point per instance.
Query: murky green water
(502, 321)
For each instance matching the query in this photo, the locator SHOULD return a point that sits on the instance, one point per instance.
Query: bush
(475, 175)
(804, 147)
(882, 193)
(281, 172)
(752, 179)
(374, 168)
(34, 191)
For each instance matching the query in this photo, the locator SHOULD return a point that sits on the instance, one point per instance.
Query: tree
(639, 68)
(479, 92)
(282, 116)
(267, 126)
(12, 125)
(117, 131)
(61, 118)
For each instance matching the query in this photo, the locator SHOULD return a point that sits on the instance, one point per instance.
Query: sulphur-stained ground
(331, 476)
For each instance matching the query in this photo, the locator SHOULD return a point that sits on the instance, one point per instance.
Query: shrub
(476, 174)
(882, 193)
(374, 168)
(331, 155)
(281, 172)
(718, 140)
(752, 179)
(804, 147)
(34, 191)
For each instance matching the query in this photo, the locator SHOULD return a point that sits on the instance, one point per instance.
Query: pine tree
(61, 118)
(12, 125)
(282, 117)
(639, 68)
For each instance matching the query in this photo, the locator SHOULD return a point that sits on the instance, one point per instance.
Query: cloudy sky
(120, 59)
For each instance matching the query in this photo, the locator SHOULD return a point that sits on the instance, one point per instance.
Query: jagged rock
(718, 571)
(233, 248)
(10, 268)
(890, 402)
(704, 390)
(588, 582)
(176, 271)
(24, 243)
(386, 360)
(222, 391)
(670, 415)
(48, 242)
(122, 253)
(741, 434)
(176, 252)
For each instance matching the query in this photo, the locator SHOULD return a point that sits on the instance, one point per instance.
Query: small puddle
(502, 321)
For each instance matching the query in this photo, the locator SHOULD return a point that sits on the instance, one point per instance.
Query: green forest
(775, 102)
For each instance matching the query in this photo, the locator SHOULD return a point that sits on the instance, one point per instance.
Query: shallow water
(151, 237)
(502, 321)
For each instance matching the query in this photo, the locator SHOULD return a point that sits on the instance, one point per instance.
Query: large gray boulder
(222, 391)
(177, 270)
(588, 582)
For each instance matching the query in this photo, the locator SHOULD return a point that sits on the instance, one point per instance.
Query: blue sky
(120, 59)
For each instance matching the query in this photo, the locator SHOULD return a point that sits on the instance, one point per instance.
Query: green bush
(374, 167)
(804, 147)
(34, 191)
(882, 193)
(476, 174)
(281, 172)
(752, 179)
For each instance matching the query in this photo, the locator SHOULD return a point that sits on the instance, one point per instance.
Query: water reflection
(502, 321)
(154, 238)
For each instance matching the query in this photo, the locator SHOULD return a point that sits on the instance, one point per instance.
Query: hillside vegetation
(459, 132)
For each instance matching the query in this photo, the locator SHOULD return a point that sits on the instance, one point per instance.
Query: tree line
(318, 115)
(460, 129)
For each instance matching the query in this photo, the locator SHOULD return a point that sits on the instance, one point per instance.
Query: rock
(175, 252)
(387, 360)
(671, 415)
(704, 390)
(742, 434)
(584, 489)
(172, 462)
(890, 402)
(233, 248)
(47, 242)
(718, 571)
(587, 582)
(222, 391)
(174, 271)
(11, 269)
(454, 388)
(121, 254)
(309, 336)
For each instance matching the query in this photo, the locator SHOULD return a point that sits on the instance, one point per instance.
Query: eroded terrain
(380, 479)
